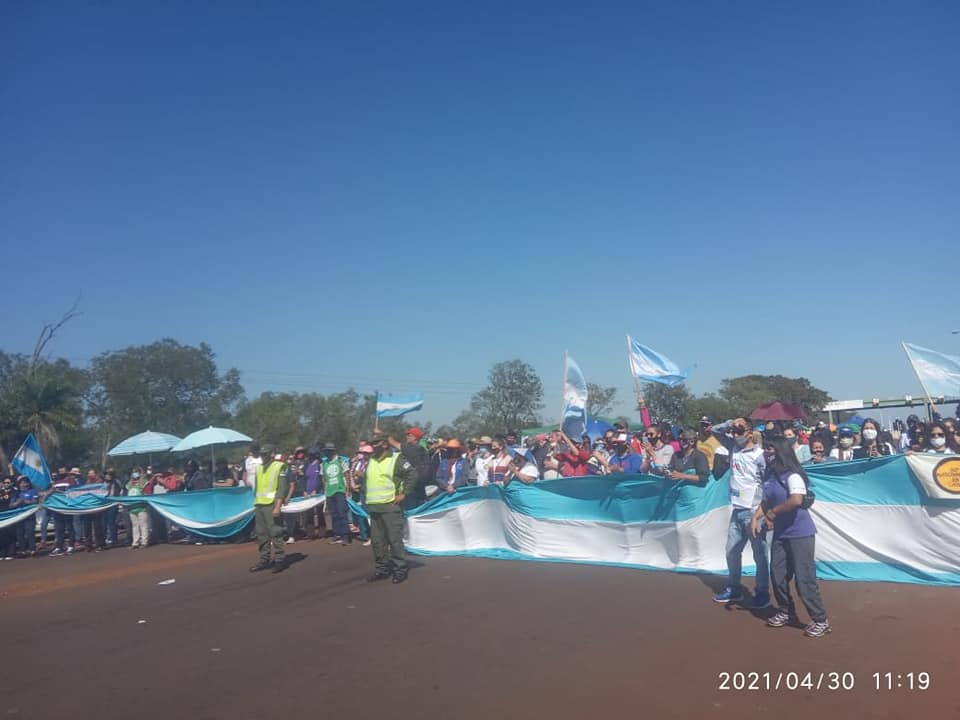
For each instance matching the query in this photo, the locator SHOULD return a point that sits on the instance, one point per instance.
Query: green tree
(600, 400)
(273, 419)
(750, 391)
(674, 404)
(42, 397)
(164, 386)
(714, 407)
(512, 399)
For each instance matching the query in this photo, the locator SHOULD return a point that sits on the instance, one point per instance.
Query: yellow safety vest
(267, 481)
(380, 486)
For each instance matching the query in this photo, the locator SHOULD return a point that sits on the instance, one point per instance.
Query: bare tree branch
(49, 330)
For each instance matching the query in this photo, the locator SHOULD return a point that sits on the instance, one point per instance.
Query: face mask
(791, 440)
(938, 442)
(869, 434)
(741, 440)
(135, 476)
(846, 442)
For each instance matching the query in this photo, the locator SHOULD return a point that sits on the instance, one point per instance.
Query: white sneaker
(290, 541)
(366, 543)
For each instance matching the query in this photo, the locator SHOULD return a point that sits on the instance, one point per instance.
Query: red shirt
(574, 464)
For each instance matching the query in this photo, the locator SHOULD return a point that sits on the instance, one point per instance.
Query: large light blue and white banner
(874, 522)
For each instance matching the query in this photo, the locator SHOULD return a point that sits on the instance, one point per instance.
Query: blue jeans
(738, 534)
(110, 517)
(337, 504)
(43, 522)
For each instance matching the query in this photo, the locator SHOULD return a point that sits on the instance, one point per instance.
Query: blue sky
(397, 196)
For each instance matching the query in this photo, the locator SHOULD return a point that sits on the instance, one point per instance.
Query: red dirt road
(463, 638)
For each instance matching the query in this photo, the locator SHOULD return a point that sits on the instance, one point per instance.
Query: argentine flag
(939, 374)
(29, 461)
(650, 366)
(574, 416)
(389, 405)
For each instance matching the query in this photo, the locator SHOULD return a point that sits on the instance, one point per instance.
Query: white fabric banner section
(302, 504)
(938, 474)
(695, 544)
(191, 524)
(81, 510)
(19, 517)
(924, 538)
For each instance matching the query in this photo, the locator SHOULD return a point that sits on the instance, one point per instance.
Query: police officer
(269, 493)
(389, 478)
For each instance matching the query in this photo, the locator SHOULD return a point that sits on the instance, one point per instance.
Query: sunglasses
(817, 452)
(651, 437)
(739, 430)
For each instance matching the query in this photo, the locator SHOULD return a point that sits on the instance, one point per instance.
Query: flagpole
(376, 414)
(924, 387)
(563, 389)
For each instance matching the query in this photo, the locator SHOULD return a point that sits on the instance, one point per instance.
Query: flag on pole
(29, 461)
(574, 416)
(650, 366)
(939, 374)
(390, 405)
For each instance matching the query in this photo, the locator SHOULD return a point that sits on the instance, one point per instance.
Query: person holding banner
(26, 496)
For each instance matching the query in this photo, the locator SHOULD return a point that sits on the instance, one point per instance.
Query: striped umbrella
(144, 444)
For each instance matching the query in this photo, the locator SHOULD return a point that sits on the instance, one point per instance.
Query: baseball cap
(416, 432)
(705, 420)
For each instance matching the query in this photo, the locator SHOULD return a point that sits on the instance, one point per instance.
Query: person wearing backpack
(786, 497)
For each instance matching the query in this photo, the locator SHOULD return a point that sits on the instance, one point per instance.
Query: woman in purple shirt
(792, 550)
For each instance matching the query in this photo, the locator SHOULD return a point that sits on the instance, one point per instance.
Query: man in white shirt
(250, 466)
(482, 462)
(747, 467)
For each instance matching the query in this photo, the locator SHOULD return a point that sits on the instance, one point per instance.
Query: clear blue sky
(399, 195)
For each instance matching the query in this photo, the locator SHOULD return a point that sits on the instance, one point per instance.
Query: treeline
(78, 414)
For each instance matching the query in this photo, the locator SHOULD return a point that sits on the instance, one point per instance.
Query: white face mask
(846, 442)
(938, 442)
(869, 434)
(741, 440)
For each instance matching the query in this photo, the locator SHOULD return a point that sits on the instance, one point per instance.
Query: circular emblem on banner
(947, 475)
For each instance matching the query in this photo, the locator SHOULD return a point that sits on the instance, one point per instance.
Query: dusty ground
(463, 638)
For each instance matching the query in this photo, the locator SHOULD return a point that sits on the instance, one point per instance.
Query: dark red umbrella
(777, 411)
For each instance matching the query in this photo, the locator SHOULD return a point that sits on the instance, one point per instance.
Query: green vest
(334, 480)
(380, 486)
(267, 481)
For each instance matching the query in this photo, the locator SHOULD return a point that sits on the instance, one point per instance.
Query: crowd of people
(769, 488)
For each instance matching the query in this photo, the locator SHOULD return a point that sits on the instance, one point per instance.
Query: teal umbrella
(144, 443)
(211, 437)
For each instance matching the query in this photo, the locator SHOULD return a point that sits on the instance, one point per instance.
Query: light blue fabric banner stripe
(826, 570)
(871, 481)
(621, 498)
(9, 518)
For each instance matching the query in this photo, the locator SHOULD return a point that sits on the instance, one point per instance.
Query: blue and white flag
(573, 419)
(393, 405)
(650, 366)
(939, 374)
(29, 461)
